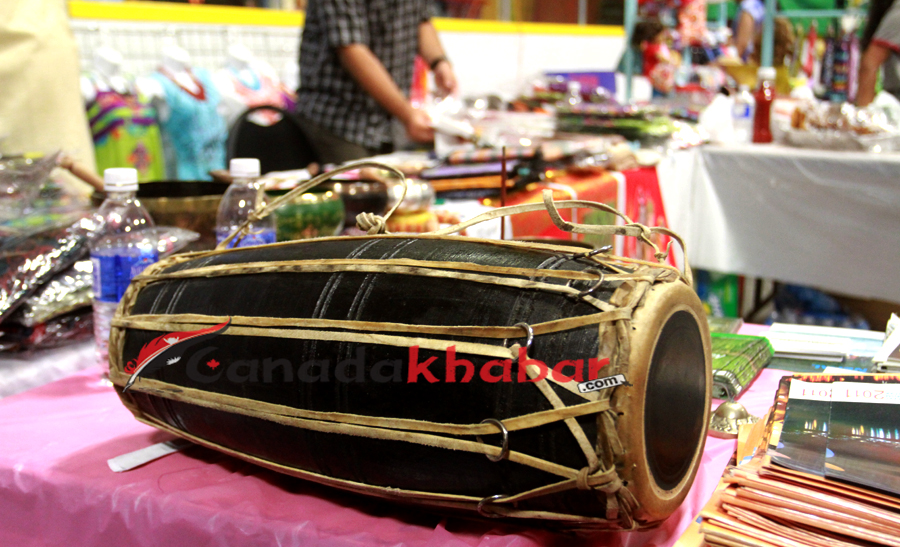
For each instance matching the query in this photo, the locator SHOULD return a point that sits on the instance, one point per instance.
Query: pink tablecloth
(56, 488)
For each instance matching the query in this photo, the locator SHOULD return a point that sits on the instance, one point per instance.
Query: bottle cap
(244, 168)
(120, 179)
(766, 73)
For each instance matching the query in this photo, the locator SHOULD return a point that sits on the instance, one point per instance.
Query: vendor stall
(821, 218)
(496, 326)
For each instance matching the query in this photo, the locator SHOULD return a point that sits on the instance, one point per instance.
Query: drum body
(410, 368)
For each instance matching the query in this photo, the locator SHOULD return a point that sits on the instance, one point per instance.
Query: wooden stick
(503, 190)
(82, 172)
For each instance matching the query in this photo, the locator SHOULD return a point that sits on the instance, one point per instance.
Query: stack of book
(828, 472)
(811, 348)
(888, 356)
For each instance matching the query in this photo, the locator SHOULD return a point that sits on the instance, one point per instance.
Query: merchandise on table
(763, 99)
(66, 291)
(397, 426)
(244, 196)
(737, 359)
(418, 222)
(185, 204)
(842, 126)
(313, 214)
(591, 185)
(727, 325)
(75, 326)
(823, 428)
(123, 244)
(21, 179)
(30, 259)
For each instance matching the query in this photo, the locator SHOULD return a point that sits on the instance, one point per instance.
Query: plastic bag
(65, 329)
(28, 260)
(67, 291)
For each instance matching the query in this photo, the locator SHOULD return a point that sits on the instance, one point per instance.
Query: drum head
(665, 414)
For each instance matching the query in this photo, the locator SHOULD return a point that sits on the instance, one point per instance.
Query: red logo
(168, 350)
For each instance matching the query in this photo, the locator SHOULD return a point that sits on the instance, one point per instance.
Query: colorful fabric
(488, 155)
(194, 127)
(260, 91)
(654, 53)
(658, 67)
(600, 186)
(126, 134)
(692, 22)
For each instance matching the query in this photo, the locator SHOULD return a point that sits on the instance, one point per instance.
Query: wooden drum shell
(327, 301)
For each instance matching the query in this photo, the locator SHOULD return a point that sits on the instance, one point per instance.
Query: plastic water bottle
(742, 115)
(242, 197)
(125, 243)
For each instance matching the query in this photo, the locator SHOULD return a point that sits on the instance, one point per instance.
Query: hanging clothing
(251, 89)
(194, 128)
(126, 134)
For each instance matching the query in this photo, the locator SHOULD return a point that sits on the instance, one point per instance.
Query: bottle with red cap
(764, 96)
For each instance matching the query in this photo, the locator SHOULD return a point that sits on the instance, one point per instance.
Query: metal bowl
(311, 214)
(360, 197)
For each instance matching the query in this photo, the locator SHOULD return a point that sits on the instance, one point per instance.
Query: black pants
(332, 149)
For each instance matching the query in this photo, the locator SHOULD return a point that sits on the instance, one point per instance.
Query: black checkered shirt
(328, 94)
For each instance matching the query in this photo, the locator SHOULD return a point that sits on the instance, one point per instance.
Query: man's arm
(874, 56)
(745, 30)
(373, 77)
(430, 49)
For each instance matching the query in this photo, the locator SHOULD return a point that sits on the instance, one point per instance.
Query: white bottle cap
(120, 179)
(244, 168)
(766, 73)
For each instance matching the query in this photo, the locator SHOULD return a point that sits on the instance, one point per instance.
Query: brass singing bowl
(727, 420)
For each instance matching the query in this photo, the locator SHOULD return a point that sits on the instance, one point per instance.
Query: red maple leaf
(212, 363)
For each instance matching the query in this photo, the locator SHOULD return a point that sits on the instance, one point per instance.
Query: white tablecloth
(23, 371)
(820, 218)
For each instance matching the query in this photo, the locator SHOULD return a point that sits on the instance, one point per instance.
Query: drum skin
(237, 392)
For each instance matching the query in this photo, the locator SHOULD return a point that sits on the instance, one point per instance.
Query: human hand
(445, 78)
(418, 126)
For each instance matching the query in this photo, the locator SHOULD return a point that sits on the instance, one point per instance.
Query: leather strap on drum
(599, 473)
(613, 319)
(633, 229)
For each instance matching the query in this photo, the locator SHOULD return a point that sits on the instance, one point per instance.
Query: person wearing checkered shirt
(356, 68)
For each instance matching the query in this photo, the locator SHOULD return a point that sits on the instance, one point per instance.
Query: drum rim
(656, 503)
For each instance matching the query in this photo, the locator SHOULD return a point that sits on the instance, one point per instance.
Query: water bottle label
(104, 273)
(255, 237)
(112, 274)
(742, 111)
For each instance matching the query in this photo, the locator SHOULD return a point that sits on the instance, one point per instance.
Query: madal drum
(435, 370)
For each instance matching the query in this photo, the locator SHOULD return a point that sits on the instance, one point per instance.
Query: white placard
(129, 461)
(810, 391)
(859, 392)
